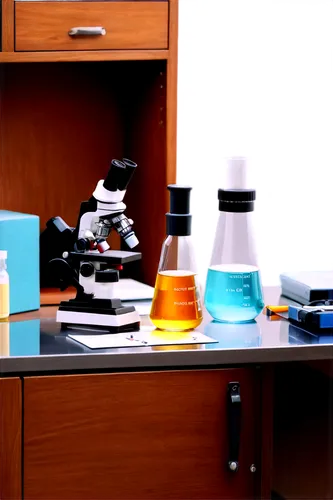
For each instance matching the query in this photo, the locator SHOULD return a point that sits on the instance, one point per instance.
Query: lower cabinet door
(140, 436)
(10, 436)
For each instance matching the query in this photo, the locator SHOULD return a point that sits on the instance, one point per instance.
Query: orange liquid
(176, 304)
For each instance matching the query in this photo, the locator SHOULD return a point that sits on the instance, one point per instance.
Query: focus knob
(87, 269)
(82, 244)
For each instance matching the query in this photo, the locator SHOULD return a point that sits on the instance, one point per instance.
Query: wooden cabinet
(10, 438)
(303, 437)
(81, 101)
(126, 25)
(137, 436)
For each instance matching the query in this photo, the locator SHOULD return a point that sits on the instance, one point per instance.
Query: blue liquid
(234, 293)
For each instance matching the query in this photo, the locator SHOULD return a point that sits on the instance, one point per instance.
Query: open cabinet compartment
(60, 126)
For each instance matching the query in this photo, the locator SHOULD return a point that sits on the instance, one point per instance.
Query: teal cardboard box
(24, 339)
(19, 235)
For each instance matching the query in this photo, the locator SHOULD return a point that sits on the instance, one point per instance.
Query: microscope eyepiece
(126, 175)
(116, 172)
(130, 163)
(119, 175)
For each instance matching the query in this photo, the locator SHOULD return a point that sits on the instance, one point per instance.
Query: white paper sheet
(146, 337)
(128, 289)
(142, 306)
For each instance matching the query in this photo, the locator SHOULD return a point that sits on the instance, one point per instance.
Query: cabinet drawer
(126, 25)
(136, 436)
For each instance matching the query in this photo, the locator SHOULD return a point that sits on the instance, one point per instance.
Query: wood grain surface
(10, 439)
(172, 93)
(157, 119)
(100, 0)
(57, 136)
(83, 55)
(136, 436)
(266, 432)
(129, 25)
(53, 296)
(148, 196)
(303, 437)
(7, 25)
(54, 149)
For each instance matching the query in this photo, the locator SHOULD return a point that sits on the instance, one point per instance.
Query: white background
(255, 78)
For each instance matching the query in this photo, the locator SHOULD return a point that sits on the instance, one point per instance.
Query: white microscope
(81, 256)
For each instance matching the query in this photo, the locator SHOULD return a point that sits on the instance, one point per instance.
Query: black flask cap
(236, 200)
(179, 219)
(179, 199)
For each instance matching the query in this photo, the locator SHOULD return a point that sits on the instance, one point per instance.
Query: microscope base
(114, 323)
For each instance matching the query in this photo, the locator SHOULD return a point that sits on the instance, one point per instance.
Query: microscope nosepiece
(123, 226)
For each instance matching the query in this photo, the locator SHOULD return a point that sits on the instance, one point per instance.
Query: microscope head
(119, 175)
(105, 210)
(112, 189)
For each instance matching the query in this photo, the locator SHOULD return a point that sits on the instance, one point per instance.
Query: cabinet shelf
(60, 126)
(87, 55)
(53, 296)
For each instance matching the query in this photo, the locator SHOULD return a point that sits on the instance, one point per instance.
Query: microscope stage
(110, 256)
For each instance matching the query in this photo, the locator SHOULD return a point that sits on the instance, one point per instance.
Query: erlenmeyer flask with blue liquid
(233, 287)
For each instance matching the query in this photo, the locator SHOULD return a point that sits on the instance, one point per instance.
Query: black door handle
(234, 409)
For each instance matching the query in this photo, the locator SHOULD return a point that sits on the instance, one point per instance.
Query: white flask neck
(234, 239)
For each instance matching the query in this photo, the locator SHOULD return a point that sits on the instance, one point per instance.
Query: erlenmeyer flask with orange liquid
(177, 302)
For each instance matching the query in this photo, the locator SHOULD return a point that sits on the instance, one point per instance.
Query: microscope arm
(68, 276)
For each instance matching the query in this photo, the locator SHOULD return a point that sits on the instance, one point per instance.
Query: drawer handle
(87, 31)
(234, 408)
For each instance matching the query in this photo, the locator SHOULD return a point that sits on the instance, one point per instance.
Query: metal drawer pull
(234, 409)
(87, 31)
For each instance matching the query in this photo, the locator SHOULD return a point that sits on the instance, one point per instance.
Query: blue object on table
(19, 235)
(312, 318)
(300, 336)
(24, 338)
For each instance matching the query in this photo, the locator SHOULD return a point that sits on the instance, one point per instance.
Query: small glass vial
(233, 288)
(4, 286)
(176, 304)
(4, 337)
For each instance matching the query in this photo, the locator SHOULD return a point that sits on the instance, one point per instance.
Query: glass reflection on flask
(233, 335)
